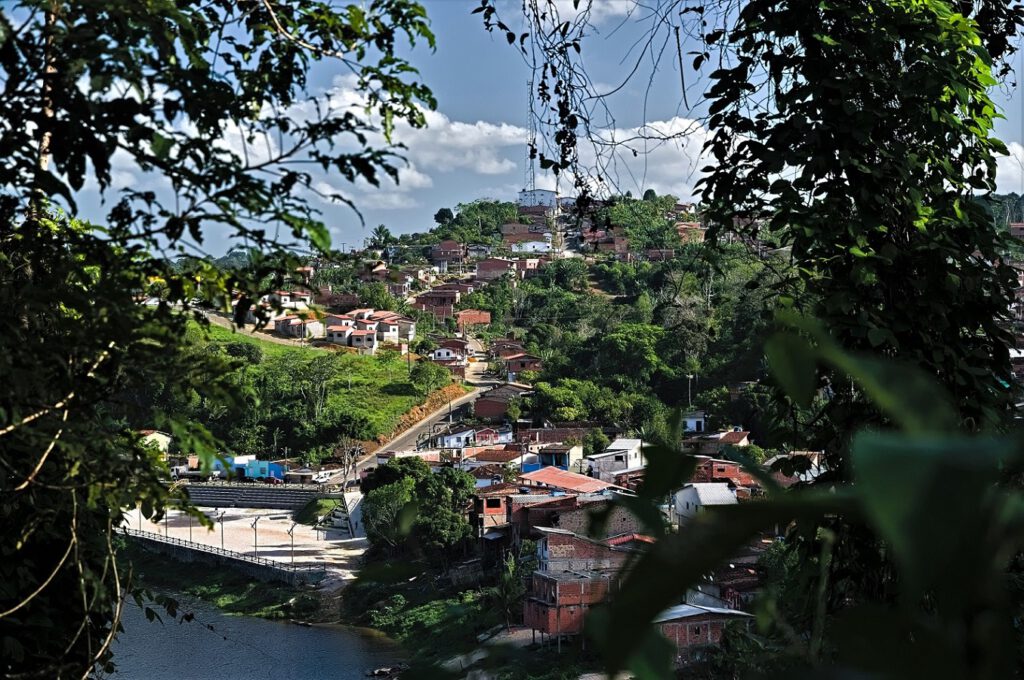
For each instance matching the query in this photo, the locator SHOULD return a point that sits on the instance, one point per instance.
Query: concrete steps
(249, 497)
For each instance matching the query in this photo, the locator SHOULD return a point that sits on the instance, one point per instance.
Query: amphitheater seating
(249, 497)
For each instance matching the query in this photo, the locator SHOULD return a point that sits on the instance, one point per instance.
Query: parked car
(273, 480)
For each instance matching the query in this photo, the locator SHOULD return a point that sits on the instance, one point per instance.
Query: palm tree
(381, 236)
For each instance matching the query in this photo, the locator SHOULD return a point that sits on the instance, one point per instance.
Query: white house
(339, 335)
(538, 197)
(297, 327)
(693, 499)
(621, 454)
(364, 340)
(457, 438)
(694, 422)
(447, 354)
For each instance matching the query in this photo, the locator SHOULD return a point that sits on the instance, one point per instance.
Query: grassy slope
(315, 508)
(366, 386)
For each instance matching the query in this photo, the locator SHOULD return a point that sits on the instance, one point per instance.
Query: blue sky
(475, 145)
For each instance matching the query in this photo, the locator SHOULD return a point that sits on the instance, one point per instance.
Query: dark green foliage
(187, 93)
(875, 202)
(427, 376)
(416, 512)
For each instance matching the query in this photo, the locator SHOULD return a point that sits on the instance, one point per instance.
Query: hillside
(306, 399)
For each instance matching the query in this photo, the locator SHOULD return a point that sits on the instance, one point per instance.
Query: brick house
(506, 347)
(439, 298)
(471, 317)
(573, 513)
(494, 268)
(448, 253)
(517, 363)
(493, 404)
(527, 267)
(718, 470)
(558, 603)
(690, 232)
(714, 444)
(693, 628)
(515, 228)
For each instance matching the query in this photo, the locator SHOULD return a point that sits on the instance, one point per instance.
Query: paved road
(459, 407)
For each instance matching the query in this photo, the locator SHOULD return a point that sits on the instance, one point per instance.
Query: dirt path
(224, 322)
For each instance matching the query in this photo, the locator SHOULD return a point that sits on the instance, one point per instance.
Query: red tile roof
(498, 455)
(629, 538)
(734, 437)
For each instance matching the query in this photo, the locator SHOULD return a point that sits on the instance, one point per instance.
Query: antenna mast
(530, 182)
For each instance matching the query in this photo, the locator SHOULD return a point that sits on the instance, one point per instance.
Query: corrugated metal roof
(685, 611)
(713, 493)
(563, 479)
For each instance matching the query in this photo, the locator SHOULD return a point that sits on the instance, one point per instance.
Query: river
(218, 647)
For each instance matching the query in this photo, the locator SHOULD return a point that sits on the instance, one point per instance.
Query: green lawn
(365, 388)
(315, 508)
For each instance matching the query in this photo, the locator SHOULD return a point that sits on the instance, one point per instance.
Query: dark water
(243, 648)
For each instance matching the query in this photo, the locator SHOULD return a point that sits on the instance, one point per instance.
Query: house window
(493, 502)
(700, 426)
(696, 630)
(619, 459)
(721, 469)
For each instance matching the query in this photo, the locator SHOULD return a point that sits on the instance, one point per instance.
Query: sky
(475, 144)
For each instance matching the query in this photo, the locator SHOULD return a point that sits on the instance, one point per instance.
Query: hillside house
(477, 251)
(695, 421)
(505, 347)
(621, 455)
(517, 363)
(558, 602)
(297, 327)
(339, 335)
(538, 198)
(471, 317)
(364, 340)
(690, 232)
(448, 254)
(694, 499)
(493, 404)
(494, 268)
(561, 456)
(528, 267)
(714, 444)
(515, 228)
(692, 629)
(562, 480)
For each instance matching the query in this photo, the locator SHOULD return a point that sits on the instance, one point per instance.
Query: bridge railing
(212, 549)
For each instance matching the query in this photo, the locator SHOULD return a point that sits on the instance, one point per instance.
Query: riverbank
(230, 591)
(444, 628)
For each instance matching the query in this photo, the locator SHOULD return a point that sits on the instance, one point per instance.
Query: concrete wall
(262, 572)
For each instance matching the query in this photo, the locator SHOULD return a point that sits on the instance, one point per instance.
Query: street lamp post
(255, 537)
(220, 518)
(689, 392)
(190, 527)
(167, 513)
(291, 532)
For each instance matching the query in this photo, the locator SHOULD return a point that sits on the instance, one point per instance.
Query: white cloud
(599, 9)
(668, 159)
(1010, 170)
(444, 146)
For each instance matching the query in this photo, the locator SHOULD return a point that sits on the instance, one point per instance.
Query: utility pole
(291, 532)
(220, 519)
(190, 527)
(255, 536)
(689, 391)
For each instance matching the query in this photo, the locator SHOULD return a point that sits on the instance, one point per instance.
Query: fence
(260, 567)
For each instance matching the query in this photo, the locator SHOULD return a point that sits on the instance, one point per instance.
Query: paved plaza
(339, 552)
